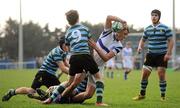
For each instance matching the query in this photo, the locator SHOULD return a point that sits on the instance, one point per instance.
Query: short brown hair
(72, 17)
(157, 12)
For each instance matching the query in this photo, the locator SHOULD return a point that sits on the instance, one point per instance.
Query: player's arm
(169, 50)
(141, 45)
(66, 63)
(110, 18)
(170, 46)
(104, 56)
(63, 67)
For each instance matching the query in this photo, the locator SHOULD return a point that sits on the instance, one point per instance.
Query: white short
(91, 78)
(128, 63)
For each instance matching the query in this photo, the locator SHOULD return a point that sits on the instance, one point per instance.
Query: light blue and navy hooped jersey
(77, 38)
(157, 38)
(82, 86)
(54, 56)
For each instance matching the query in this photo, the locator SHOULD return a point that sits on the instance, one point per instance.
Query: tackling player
(47, 73)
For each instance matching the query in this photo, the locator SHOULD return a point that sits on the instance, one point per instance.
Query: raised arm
(111, 18)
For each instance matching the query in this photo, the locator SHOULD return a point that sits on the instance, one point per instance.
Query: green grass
(118, 92)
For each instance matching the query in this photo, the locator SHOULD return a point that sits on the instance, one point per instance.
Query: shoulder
(120, 44)
(84, 27)
(148, 27)
(163, 26)
(58, 51)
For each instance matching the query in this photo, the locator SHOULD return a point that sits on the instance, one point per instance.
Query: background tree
(10, 41)
(37, 40)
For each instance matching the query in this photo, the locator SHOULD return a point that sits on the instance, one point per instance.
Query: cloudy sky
(136, 12)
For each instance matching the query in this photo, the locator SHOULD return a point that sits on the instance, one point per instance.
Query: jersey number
(76, 34)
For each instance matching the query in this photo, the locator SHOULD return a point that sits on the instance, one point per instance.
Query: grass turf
(118, 92)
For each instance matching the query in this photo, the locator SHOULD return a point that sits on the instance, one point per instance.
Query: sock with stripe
(99, 91)
(144, 84)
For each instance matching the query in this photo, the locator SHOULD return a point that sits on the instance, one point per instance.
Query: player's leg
(162, 82)
(24, 90)
(161, 68)
(79, 77)
(90, 90)
(146, 71)
(112, 73)
(58, 91)
(13, 92)
(92, 67)
(99, 90)
(127, 64)
(125, 73)
(45, 79)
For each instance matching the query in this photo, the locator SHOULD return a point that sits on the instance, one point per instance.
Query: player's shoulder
(148, 27)
(84, 27)
(57, 50)
(161, 25)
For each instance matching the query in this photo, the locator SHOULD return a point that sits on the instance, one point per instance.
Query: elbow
(105, 59)
(109, 18)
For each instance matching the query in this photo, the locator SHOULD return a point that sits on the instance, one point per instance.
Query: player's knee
(161, 69)
(30, 91)
(149, 68)
(88, 95)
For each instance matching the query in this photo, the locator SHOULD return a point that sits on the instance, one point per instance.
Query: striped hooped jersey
(107, 43)
(82, 86)
(77, 38)
(157, 37)
(54, 56)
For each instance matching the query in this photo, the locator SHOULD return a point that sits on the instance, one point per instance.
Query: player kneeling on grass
(47, 73)
(43, 95)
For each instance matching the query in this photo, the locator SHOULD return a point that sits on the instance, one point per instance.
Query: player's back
(77, 38)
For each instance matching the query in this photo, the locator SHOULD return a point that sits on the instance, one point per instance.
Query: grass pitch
(118, 92)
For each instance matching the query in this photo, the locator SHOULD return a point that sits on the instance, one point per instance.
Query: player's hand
(47, 101)
(92, 43)
(139, 50)
(167, 57)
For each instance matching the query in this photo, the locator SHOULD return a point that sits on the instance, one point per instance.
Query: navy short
(155, 60)
(44, 78)
(81, 62)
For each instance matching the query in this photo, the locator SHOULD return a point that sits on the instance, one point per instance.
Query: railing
(14, 65)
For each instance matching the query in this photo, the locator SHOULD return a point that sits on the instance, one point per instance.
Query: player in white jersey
(110, 65)
(127, 59)
(107, 46)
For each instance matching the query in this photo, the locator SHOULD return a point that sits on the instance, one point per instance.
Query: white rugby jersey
(107, 43)
(127, 53)
(127, 58)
